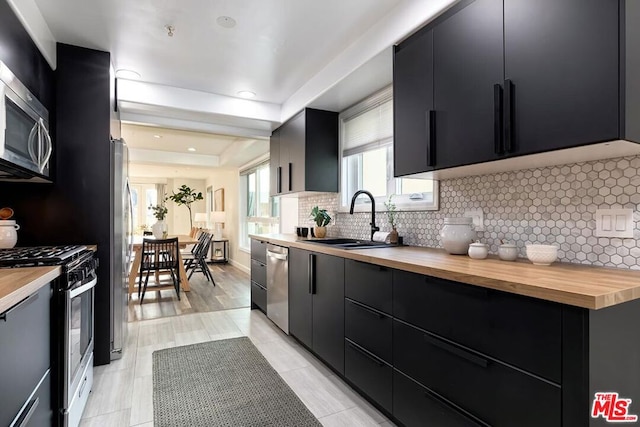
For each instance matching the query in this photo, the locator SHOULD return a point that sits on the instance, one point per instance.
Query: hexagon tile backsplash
(547, 205)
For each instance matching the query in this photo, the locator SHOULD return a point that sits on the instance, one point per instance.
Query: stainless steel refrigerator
(121, 245)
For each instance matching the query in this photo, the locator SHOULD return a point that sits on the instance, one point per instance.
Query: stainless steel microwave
(25, 143)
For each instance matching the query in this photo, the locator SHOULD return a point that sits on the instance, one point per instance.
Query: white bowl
(542, 254)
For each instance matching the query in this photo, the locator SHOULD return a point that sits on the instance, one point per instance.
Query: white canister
(508, 252)
(8, 233)
(457, 234)
(478, 250)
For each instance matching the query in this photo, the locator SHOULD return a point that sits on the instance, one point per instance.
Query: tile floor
(122, 391)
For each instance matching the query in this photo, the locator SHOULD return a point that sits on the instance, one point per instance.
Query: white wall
(230, 180)
(178, 216)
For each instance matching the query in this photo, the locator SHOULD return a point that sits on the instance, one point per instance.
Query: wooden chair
(159, 255)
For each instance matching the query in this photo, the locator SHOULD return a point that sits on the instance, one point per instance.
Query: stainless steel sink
(346, 243)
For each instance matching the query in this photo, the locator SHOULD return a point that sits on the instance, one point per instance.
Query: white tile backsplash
(547, 205)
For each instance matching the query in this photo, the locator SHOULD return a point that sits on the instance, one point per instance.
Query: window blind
(368, 125)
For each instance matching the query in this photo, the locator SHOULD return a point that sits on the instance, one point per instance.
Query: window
(143, 196)
(260, 212)
(366, 139)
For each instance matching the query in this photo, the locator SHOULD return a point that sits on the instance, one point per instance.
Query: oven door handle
(84, 288)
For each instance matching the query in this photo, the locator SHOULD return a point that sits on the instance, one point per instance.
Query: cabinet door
(295, 166)
(274, 163)
(562, 58)
(300, 305)
(328, 309)
(412, 105)
(468, 63)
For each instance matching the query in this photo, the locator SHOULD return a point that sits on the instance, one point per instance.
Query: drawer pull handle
(28, 300)
(378, 267)
(477, 360)
(29, 413)
(368, 310)
(364, 353)
(435, 398)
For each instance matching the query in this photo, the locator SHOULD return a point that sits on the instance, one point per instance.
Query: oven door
(24, 137)
(79, 305)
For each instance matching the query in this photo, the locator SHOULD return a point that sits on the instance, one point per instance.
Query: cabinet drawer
(259, 296)
(259, 272)
(522, 331)
(370, 374)
(414, 405)
(495, 393)
(37, 411)
(259, 251)
(368, 328)
(369, 284)
(24, 351)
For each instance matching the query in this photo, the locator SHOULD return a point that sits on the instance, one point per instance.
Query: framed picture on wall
(210, 199)
(218, 200)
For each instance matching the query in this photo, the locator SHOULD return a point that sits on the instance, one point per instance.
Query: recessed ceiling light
(246, 94)
(123, 73)
(226, 21)
(191, 149)
(157, 136)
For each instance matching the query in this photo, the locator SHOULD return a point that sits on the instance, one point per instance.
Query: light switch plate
(614, 223)
(478, 219)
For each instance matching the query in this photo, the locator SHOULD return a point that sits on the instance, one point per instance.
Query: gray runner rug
(222, 383)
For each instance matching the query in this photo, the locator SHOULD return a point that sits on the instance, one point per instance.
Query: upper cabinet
(304, 153)
(506, 78)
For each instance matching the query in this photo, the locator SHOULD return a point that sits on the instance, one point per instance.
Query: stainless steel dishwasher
(278, 286)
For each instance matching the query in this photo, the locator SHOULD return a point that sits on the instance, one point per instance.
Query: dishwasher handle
(282, 257)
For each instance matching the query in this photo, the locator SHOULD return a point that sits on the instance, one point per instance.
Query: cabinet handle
(430, 124)
(440, 401)
(312, 274)
(27, 416)
(480, 361)
(367, 309)
(377, 267)
(290, 168)
(279, 179)
(364, 353)
(508, 115)
(28, 300)
(497, 119)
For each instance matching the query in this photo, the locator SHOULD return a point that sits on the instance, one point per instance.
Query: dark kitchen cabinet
(25, 355)
(468, 62)
(370, 374)
(316, 304)
(300, 297)
(304, 153)
(509, 78)
(259, 275)
(413, 110)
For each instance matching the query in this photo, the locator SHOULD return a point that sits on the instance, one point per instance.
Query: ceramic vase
(320, 231)
(159, 229)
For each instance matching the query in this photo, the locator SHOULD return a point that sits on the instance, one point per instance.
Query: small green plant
(160, 210)
(392, 211)
(320, 216)
(186, 196)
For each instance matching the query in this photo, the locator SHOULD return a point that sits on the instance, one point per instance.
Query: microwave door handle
(47, 139)
(30, 141)
(3, 117)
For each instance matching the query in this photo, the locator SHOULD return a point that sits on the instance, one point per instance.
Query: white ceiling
(152, 138)
(325, 54)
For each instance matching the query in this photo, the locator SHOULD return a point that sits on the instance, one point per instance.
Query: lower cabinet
(316, 304)
(25, 354)
(368, 373)
(258, 297)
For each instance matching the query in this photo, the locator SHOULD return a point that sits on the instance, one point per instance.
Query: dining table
(183, 241)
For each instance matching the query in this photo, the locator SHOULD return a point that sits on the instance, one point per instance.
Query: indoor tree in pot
(391, 216)
(322, 219)
(186, 196)
(159, 229)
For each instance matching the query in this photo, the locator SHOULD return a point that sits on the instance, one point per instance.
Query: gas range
(40, 255)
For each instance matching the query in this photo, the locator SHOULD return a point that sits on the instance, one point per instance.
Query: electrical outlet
(478, 219)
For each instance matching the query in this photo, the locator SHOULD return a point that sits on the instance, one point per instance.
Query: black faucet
(373, 209)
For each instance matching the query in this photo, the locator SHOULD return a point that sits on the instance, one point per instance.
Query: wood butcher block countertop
(572, 284)
(17, 284)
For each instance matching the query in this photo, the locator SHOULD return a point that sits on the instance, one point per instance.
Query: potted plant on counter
(322, 219)
(392, 213)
